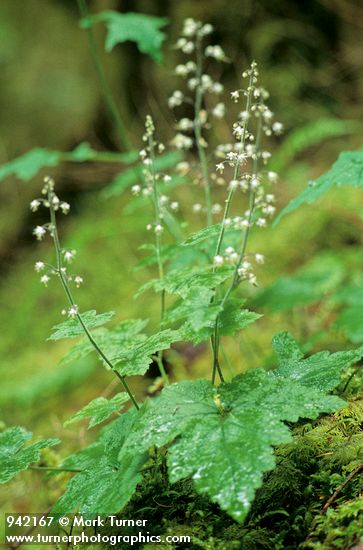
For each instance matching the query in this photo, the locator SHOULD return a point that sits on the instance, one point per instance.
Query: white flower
(261, 222)
(34, 205)
(39, 266)
(216, 52)
(206, 29)
(272, 177)
(233, 184)
(235, 96)
(65, 207)
(219, 110)
(269, 210)
(149, 227)
(254, 182)
(158, 229)
(218, 260)
(135, 189)
(269, 197)
(147, 191)
(180, 141)
(185, 124)
(260, 258)
(188, 48)
(190, 27)
(39, 232)
(69, 255)
(78, 280)
(174, 205)
(167, 178)
(220, 167)
(181, 70)
(44, 279)
(216, 208)
(176, 99)
(252, 279)
(197, 208)
(73, 311)
(278, 128)
(216, 88)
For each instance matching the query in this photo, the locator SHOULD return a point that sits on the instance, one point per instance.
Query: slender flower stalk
(53, 203)
(248, 148)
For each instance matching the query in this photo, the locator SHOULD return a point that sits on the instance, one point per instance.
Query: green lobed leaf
(28, 165)
(223, 437)
(347, 170)
(321, 370)
(72, 327)
(123, 335)
(99, 409)
(109, 479)
(14, 457)
(137, 27)
(230, 320)
(309, 284)
(137, 358)
(180, 281)
(204, 234)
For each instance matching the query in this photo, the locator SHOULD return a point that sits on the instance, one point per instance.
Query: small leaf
(137, 27)
(136, 359)
(29, 164)
(204, 234)
(14, 457)
(99, 409)
(347, 170)
(72, 327)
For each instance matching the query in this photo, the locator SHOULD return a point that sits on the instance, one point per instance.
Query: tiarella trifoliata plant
(219, 434)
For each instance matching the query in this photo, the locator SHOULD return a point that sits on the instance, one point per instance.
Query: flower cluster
(52, 202)
(153, 179)
(241, 168)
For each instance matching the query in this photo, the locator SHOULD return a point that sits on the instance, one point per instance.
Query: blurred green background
(310, 57)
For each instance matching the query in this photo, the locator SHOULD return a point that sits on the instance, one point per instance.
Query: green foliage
(309, 284)
(72, 328)
(308, 135)
(350, 322)
(99, 409)
(241, 420)
(29, 165)
(347, 170)
(14, 457)
(321, 370)
(140, 28)
(108, 479)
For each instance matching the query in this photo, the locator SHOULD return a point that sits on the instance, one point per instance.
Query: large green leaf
(321, 370)
(347, 170)
(137, 27)
(14, 457)
(309, 284)
(72, 327)
(109, 479)
(99, 409)
(223, 437)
